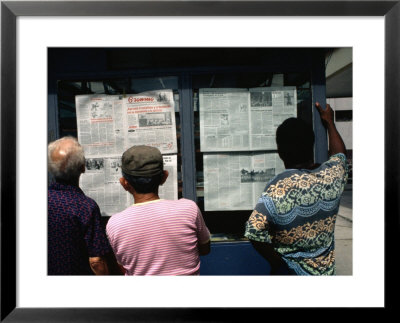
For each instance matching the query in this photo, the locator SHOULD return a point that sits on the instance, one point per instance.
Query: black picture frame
(10, 10)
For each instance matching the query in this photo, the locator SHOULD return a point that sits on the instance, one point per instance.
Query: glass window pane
(228, 224)
(67, 90)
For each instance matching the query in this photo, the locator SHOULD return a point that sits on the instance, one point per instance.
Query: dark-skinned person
(77, 243)
(293, 224)
(155, 236)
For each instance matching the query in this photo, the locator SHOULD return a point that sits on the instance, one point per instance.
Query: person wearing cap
(155, 236)
(77, 243)
(293, 223)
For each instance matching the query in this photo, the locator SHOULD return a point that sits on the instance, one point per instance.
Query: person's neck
(71, 183)
(146, 197)
(307, 165)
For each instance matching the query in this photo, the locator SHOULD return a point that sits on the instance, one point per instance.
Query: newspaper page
(235, 181)
(265, 167)
(224, 119)
(169, 190)
(110, 124)
(243, 120)
(101, 182)
(269, 107)
(150, 120)
(100, 124)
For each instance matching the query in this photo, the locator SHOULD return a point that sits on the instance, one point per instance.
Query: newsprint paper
(101, 182)
(244, 120)
(110, 124)
(235, 181)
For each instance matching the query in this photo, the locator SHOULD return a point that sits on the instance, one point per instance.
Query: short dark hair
(144, 185)
(295, 140)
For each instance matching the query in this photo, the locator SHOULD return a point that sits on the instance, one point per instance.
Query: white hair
(70, 166)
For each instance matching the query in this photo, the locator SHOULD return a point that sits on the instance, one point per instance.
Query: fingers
(319, 107)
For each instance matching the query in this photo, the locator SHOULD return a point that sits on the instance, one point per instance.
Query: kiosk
(191, 74)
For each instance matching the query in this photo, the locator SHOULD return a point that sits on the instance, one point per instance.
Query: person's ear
(282, 157)
(279, 151)
(165, 176)
(125, 184)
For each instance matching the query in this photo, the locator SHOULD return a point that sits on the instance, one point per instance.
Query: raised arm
(336, 144)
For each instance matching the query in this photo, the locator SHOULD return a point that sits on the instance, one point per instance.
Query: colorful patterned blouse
(296, 213)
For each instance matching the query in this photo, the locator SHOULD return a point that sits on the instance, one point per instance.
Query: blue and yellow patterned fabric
(297, 212)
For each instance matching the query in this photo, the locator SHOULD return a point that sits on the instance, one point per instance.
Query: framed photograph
(29, 295)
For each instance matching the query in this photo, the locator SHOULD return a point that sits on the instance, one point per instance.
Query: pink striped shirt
(158, 237)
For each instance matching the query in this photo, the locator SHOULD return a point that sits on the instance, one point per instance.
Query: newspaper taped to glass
(244, 120)
(235, 181)
(100, 122)
(110, 124)
(101, 182)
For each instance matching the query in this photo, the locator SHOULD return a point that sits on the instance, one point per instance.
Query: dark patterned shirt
(74, 231)
(297, 212)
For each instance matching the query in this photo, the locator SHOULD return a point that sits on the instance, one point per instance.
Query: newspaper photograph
(100, 124)
(270, 106)
(150, 120)
(235, 181)
(243, 120)
(101, 182)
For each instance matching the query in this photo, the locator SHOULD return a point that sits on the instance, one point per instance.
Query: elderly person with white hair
(77, 244)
